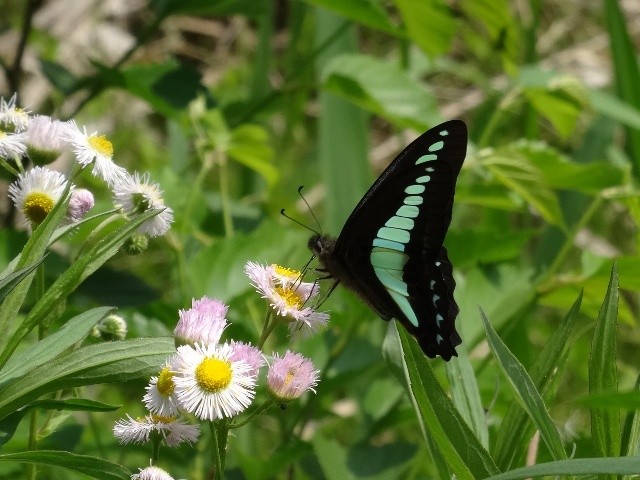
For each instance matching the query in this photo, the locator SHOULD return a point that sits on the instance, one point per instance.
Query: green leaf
(381, 88)
(250, 8)
(73, 405)
(342, 130)
(73, 331)
(503, 291)
(167, 87)
(464, 454)
(518, 174)
(547, 366)
(603, 372)
(94, 364)
(488, 195)
(561, 173)
(627, 72)
(469, 247)
(560, 105)
(614, 108)
(332, 458)
(92, 466)
(612, 401)
(429, 23)
(525, 391)
(466, 394)
(60, 77)
(631, 430)
(249, 145)
(31, 253)
(500, 28)
(9, 424)
(9, 282)
(362, 11)
(577, 466)
(66, 283)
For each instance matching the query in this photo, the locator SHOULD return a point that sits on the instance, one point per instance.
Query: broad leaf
(381, 88)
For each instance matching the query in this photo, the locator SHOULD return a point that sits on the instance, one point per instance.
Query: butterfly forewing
(391, 245)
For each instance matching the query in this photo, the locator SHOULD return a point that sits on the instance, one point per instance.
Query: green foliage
(231, 106)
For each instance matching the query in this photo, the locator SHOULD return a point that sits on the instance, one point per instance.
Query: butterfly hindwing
(390, 248)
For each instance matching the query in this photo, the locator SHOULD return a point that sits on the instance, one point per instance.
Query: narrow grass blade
(631, 430)
(577, 466)
(463, 452)
(342, 134)
(525, 391)
(466, 395)
(93, 467)
(603, 372)
(627, 72)
(515, 424)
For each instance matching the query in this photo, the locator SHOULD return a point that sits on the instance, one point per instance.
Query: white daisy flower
(136, 194)
(209, 384)
(12, 144)
(12, 117)
(173, 430)
(44, 139)
(36, 192)
(151, 473)
(96, 149)
(203, 323)
(160, 398)
(290, 376)
(288, 298)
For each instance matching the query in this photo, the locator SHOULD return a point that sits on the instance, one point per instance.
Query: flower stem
(39, 289)
(225, 195)
(219, 434)
(568, 243)
(267, 328)
(257, 412)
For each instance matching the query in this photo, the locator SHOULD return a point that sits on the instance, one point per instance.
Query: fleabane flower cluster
(42, 140)
(289, 297)
(205, 377)
(214, 380)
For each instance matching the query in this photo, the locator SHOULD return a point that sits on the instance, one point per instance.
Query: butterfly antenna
(282, 212)
(325, 297)
(309, 208)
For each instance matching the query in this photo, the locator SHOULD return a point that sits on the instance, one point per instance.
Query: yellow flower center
(286, 272)
(165, 383)
(37, 206)
(213, 375)
(3, 134)
(162, 419)
(289, 377)
(101, 145)
(291, 297)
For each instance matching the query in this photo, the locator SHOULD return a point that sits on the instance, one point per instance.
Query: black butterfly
(390, 249)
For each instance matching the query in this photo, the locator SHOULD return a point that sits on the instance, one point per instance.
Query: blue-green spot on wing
(390, 250)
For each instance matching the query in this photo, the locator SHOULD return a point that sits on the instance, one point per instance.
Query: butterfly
(390, 250)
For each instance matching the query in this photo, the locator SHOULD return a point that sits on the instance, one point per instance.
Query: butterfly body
(390, 250)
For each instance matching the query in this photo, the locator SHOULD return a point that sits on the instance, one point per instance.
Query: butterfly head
(321, 245)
